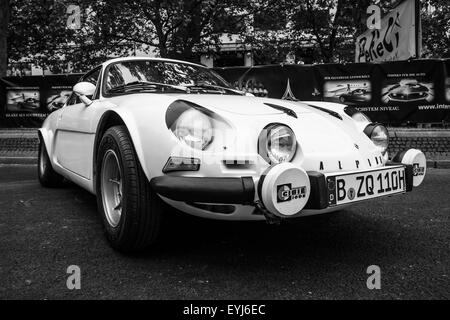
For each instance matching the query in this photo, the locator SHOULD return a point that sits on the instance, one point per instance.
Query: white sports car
(140, 132)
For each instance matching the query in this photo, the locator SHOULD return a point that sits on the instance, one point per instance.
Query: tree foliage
(324, 30)
(37, 31)
(176, 28)
(436, 29)
(327, 29)
(4, 19)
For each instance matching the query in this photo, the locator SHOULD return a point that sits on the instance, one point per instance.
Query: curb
(438, 164)
(418, 133)
(18, 160)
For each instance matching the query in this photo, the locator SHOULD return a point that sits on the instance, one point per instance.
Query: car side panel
(74, 151)
(74, 139)
(70, 150)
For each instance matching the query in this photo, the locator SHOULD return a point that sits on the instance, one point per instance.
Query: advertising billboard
(397, 39)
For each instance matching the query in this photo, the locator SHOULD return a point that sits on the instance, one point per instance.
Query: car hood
(324, 135)
(321, 127)
(222, 104)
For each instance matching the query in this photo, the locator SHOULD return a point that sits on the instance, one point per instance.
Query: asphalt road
(43, 231)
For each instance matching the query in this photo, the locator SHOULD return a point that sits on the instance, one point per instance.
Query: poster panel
(349, 84)
(301, 83)
(57, 97)
(410, 92)
(27, 101)
(22, 100)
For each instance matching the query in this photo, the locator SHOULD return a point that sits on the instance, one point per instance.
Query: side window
(73, 99)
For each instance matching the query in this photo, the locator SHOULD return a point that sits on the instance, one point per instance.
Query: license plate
(357, 186)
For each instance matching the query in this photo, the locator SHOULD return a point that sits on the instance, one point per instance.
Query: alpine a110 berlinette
(141, 133)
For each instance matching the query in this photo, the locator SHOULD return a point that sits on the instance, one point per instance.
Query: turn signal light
(181, 164)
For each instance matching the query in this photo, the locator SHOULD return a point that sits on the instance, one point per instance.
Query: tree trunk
(4, 20)
(163, 52)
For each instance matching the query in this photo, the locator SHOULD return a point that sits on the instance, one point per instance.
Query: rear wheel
(130, 209)
(47, 176)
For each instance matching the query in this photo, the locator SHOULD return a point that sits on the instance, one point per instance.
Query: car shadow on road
(343, 236)
(354, 236)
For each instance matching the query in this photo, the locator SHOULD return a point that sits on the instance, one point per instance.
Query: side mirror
(84, 90)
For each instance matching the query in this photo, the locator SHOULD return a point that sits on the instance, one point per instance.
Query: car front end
(293, 160)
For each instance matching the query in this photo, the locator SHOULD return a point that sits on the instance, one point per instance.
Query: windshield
(161, 76)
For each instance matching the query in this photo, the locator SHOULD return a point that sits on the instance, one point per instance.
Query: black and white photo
(213, 156)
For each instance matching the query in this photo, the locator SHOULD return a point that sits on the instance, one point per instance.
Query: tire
(47, 176)
(131, 211)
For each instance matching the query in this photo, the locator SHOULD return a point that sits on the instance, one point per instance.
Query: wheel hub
(111, 188)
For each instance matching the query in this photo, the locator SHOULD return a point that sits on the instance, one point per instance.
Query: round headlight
(278, 143)
(379, 136)
(356, 115)
(194, 128)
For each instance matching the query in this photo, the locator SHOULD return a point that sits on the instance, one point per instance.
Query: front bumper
(285, 190)
(205, 189)
(243, 190)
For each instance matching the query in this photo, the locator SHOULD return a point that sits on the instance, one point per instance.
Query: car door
(75, 131)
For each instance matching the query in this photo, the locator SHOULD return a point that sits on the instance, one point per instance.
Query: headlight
(356, 115)
(194, 128)
(360, 117)
(379, 136)
(277, 143)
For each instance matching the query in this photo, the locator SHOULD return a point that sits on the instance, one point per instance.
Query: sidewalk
(20, 146)
(435, 143)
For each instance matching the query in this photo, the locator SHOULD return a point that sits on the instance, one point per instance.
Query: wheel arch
(110, 119)
(40, 136)
(46, 137)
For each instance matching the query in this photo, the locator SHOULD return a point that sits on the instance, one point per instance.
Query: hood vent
(288, 111)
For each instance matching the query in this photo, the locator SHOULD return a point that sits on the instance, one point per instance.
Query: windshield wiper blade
(139, 85)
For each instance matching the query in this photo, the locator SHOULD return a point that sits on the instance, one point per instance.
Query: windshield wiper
(212, 86)
(142, 85)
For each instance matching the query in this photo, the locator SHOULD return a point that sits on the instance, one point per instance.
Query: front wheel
(130, 209)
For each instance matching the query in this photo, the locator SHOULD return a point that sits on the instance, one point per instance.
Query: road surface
(44, 231)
